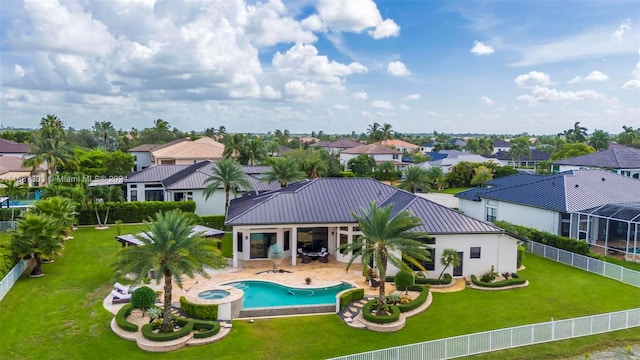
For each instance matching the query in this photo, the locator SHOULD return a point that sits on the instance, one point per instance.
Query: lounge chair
(323, 257)
(121, 288)
(374, 283)
(306, 258)
(119, 298)
(300, 252)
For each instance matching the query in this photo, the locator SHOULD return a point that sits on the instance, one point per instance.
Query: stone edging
(472, 286)
(396, 325)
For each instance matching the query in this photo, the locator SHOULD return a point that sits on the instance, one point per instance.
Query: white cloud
(270, 93)
(412, 97)
(387, 28)
(381, 104)
(341, 107)
(487, 100)
(635, 82)
(397, 68)
(532, 77)
(593, 76)
(302, 91)
(541, 94)
(354, 16)
(431, 113)
(479, 48)
(360, 95)
(267, 25)
(404, 107)
(619, 33)
(366, 114)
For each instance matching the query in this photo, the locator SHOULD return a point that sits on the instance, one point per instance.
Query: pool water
(213, 294)
(261, 294)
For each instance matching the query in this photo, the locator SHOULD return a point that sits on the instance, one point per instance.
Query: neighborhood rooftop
(616, 157)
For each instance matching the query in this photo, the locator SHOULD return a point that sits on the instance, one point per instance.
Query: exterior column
(234, 242)
(294, 245)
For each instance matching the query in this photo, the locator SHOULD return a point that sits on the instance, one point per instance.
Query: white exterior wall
(475, 209)
(544, 220)
(142, 159)
(213, 206)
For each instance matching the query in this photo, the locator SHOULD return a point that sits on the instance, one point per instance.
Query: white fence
(7, 225)
(501, 339)
(596, 266)
(12, 277)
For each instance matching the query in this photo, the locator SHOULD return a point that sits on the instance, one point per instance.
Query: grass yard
(60, 315)
(452, 191)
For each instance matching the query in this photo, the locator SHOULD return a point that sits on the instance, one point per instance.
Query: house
(187, 182)
(449, 144)
(501, 145)
(379, 153)
(446, 159)
(181, 151)
(620, 159)
(12, 148)
(142, 154)
(523, 160)
(550, 203)
(315, 214)
(11, 168)
(402, 146)
(338, 146)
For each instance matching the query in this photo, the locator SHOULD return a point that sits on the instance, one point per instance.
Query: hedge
(498, 284)
(199, 311)
(561, 242)
(415, 303)
(350, 296)
(5, 214)
(121, 318)
(209, 328)
(214, 221)
(186, 328)
(367, 315)
(132, 212)
(446, 280)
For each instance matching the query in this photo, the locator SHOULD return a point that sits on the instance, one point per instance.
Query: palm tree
(229, 175)
(436, 177)
(384, 237)
(628, 136)
(14, 189)
(314, 166)
(52, 128)
(104, 195)
(284, 170)
(374, 133)
(233, 144)
(160, 125)
(61, 210)
(482, 174)
(52, 152)
(578, 134)
(449, 257)
(414, 178)
(38, 235)
(386, 132)
(105, 131)
(599, 140)
(170, 249)
(518, 150)
(252, 152)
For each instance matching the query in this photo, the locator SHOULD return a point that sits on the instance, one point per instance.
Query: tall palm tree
(38, 235)
(314, 166)
(229, 175)
(61, 210)
(172, 250)
(52, 152)
(577, 134)
(481, 174)
(52, 128)
(14, 189)
(518, 150)
(374, 133)
(233, 144)
(284, 170)
(628, 136)
(413, 179)
(384, 238)
(436, 177)
(252, 152)
(599, 140)
(386, 132)
(105, 131)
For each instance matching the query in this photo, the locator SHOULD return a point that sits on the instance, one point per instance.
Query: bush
(521, 251)
(199, 311)
(489, 276)
(214, 221)
(446, 280)
(121, 318)
(350, 296)
(404, 279)
(572, 245)
(415, 303)
(498, 284)
(143, 297)
(132, 212)
(367, 315)
(209, 328)
(186, 328)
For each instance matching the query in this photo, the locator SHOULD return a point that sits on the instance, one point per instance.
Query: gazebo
(614, 227)
(207, 232)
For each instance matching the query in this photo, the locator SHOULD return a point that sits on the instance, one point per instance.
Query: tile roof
(189, 150)
(344, 143)
(370, 149)
(155, 173)
(536, 155)
(151, 147)
(12, 147)
(616, 157)
(334, 200)
(14, 163)
(501, 143)
(568, 191)
(398, 143)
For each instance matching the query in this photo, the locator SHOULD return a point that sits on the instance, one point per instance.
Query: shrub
(213, 221)
(498, 284)
(143, 297)
(404, 279)
(515, 275)
(199, 311)
(206, 328)
(350, 296)
(121, 318)
(367, 315)
(186, 328)
(572, 245)
(506, 275)
(446, 279)
(133, 212)
(489, 276)
(418, 301)
(521, 251)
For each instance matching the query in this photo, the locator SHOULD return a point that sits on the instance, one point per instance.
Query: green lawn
(452, 191)
(60, 316)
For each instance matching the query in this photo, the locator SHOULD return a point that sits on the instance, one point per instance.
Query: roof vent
(577, 185)
(603, 179)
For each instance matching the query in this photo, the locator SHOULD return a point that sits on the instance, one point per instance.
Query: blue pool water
(261, 294)
(213, 294)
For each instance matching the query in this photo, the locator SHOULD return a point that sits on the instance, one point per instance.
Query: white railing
(595, 266)
(12, 277)
(501, 339)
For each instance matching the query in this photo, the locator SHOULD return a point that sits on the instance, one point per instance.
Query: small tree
(275, 254)
(404, 279)
(143, 298)
(37, 235)
(449, 257)
(14, 189)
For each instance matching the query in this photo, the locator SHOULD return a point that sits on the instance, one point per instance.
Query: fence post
(553, 330)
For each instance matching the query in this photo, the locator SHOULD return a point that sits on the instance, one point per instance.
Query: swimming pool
(264, 294)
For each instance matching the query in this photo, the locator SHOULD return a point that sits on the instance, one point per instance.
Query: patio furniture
(374, 284)
(323, 257)
(124, 289)
(119, 298)
(306, 258)
(300, 252)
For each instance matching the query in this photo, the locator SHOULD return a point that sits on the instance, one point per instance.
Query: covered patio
(614, 228)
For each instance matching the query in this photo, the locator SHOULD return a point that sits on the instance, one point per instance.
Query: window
(344, 239)
(475, 252)
(260, 243)
(154, 195)
(429, 241)
(133, 195)
(428, 265)
(492, 210)
(565, 224)
(239, 242)
(395, 156)
(287, 240)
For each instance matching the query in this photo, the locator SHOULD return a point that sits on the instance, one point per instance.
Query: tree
(577, 134)
(14, 189)
(519, 149)
(362, 165)
(52, 128)
(374, 133)
(386, 171)
(285, 170)
(53, 152)
(460, 175)
(436, 177)
(314, 167)
(171, 249)
(414, 178)
(449, 257)
(570, 150)
(228, 175)
(384, 238)
(104, 195)
(599, 140)
(386, 132)
(253, 152)
(482, 174)
(105, 131)
(37, 235)
(628, 136)
(233, 144)
(60, 209)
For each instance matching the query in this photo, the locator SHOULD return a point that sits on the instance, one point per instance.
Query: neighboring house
(177, 152)
(620, 159)
(11, 168)
(338, 146)
(501, 145)
(446, 159)
(142, 154)
(187, 182)
(549, 202)
(524, 160)
(379, 153)
(429, 145)
(402, 146)
(315, 214)
(12, 148)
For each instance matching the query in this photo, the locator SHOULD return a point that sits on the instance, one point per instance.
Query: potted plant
(308, 280)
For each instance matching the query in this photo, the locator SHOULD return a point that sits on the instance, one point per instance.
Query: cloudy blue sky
(331, 65)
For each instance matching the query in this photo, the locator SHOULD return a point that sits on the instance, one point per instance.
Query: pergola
(207, 232)
(615, 227)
